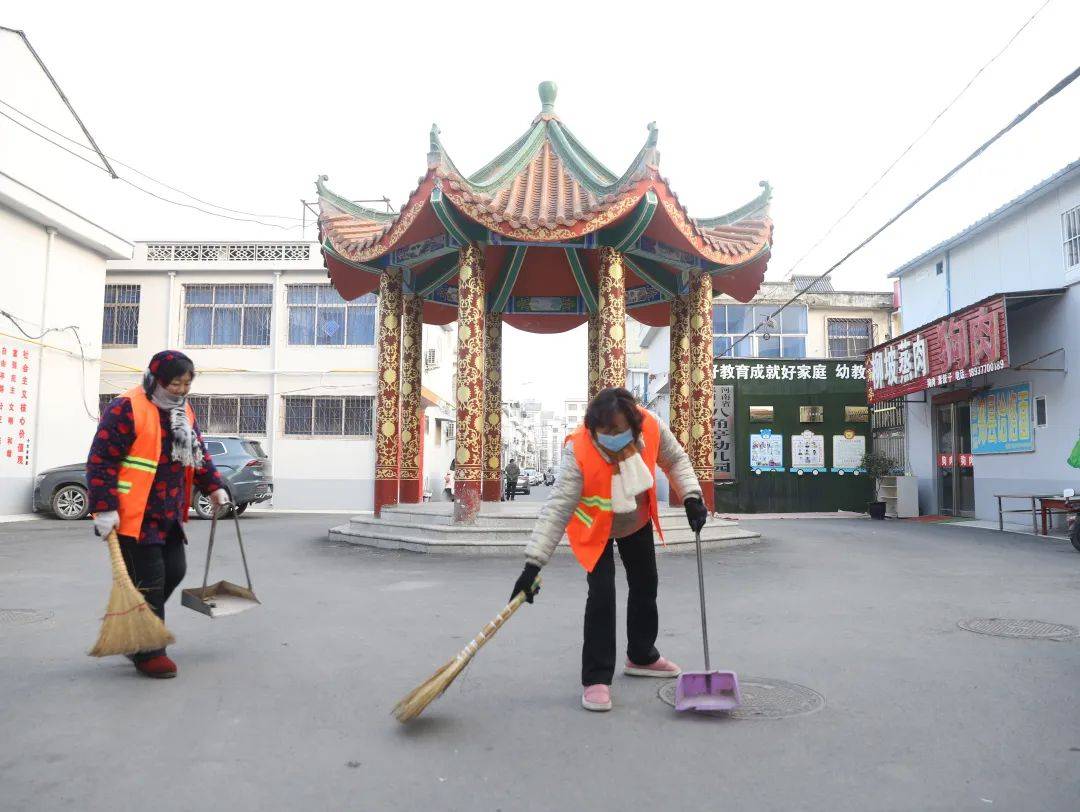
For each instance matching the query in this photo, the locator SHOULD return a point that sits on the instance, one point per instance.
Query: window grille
(120, 325)
(451, 429)
(887, 430)
(1070, 234)
(230, 414)
(431, 360)
(319, 316)
(785, 336)
(329, 416)
(228, 315)
(227, 252)
(850, 338)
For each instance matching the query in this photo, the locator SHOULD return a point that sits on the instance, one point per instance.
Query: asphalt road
(288, 706)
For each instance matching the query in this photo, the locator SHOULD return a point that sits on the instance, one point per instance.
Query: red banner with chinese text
(970, 342)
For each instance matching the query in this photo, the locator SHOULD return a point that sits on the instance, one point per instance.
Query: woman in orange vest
(146, 456)
(605, 496)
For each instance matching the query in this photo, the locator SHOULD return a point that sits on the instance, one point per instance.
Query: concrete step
(479, 540)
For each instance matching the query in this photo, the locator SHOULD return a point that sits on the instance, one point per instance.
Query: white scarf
(186, 448)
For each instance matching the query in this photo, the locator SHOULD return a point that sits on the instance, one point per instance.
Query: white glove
(220, 497)
(106, 522)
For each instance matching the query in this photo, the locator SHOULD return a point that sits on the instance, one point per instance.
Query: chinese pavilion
(544, 238)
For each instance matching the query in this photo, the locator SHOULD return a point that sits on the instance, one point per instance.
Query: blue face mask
(615, 442)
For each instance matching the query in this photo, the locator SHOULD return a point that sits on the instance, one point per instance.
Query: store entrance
(954, 465)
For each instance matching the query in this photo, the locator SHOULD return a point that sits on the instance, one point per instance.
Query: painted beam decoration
(970, 342)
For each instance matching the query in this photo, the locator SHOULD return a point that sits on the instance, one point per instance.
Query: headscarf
(163, 368)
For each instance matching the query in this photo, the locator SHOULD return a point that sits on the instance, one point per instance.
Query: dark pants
(156, 570)
(511, 486)
(598, 651)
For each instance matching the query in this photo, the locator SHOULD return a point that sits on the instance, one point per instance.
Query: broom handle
(118, 563)
(489, 630)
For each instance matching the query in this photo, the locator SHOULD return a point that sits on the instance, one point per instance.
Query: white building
(280, 357)
(990, 321)
(53, 263)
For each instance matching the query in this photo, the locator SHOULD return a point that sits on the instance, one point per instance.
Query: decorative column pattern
(594, 355)
(492, 488)
(386, 435)
(611, 347)
(470, 385)
(412, 437)
(679, 377)
(701, 384)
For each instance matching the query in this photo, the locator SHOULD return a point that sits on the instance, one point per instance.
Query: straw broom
(433, 687)
(129, 625)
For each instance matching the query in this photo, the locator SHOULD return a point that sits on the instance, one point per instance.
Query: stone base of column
(467, 496)
(411, 493)
(386, 493)
(492, 490)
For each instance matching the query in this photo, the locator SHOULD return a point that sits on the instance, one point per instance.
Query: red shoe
(160, 667)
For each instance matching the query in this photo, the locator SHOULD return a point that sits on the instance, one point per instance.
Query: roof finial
(548, 91)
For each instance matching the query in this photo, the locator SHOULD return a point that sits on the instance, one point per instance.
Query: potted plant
(877, 465)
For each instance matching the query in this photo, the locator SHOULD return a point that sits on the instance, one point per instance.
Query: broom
(129, 625)
(433, 687)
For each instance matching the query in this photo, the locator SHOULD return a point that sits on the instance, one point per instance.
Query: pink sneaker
(665, 669)
(596, 698)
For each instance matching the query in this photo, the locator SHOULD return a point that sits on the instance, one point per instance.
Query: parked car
(243, 465)
(549, 477)
(522, 485)
(533, 475)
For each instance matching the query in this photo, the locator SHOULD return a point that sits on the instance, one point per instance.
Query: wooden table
(1049, 505)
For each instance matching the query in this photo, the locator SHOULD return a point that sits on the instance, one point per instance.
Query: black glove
(696, 513)
(525, 581)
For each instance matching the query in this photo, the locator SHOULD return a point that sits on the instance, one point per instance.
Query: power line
(1061, 85)
(143, 174)
(143, 189)
(921, 135)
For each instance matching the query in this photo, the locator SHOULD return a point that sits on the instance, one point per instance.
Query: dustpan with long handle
(222, 598)
(706, 690)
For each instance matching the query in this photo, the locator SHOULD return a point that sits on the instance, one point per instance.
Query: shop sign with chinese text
(17, 380)
(1001, 420)
(968, 343)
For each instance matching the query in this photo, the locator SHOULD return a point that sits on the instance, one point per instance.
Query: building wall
(61, 424)
(310, 472)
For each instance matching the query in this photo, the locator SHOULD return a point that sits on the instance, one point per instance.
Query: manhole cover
(1006, 627)
(19, 617)
(764, 699)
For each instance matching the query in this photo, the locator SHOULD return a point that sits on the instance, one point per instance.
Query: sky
(244, 104)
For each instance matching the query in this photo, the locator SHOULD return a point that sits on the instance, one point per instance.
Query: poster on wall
(766, 451)
(808, 451)
(16, 388)
(723, 423)
(848, 450)
(1001, 420)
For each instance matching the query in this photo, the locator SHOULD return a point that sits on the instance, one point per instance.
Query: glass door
(953, 460)
(946, 453)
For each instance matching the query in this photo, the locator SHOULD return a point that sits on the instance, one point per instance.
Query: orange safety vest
(590, 525)
(138, 468)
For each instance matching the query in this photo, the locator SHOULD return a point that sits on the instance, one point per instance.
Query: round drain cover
(764, 699)
(19, 617)
(1030, 629)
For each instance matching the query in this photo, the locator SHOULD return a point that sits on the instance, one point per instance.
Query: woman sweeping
(605, 495)
(145, 457)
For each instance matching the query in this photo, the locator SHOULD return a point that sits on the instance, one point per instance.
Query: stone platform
(503, 529)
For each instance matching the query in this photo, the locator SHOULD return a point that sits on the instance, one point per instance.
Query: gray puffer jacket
(566, 493)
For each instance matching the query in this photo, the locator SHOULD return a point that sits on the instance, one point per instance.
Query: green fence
(823, 404)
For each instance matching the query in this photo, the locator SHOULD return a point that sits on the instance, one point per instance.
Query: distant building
(281, 358)
(54, 264)
(981, 370)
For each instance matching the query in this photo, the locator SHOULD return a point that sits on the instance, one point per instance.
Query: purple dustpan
(707, 691)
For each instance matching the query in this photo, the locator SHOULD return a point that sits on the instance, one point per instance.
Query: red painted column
(701, 384)
(470, 386)
(412, 436)
(386, 435)
(493, 479)
(594, 355)
(611, 343)
(679, 378)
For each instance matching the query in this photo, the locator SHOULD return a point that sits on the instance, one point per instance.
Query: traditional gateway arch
(544, 238)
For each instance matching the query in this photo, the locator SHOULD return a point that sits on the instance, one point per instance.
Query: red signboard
(970, 342)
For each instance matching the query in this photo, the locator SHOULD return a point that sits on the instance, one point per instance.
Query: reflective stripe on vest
(139, 467)
(590, 524)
